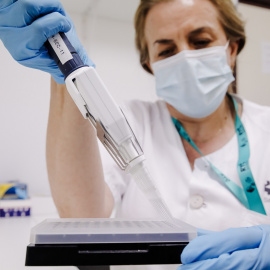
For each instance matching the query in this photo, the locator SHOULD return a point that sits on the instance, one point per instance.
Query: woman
(191, 139)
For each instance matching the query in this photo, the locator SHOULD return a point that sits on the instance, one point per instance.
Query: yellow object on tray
(13, 190)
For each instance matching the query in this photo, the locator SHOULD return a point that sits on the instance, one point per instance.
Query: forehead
(180, 17)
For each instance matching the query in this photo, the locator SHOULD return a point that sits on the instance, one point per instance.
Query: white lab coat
(196, 197)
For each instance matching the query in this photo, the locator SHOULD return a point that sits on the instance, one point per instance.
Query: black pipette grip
(71, 65)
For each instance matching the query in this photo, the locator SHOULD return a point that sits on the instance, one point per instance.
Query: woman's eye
(166, 53)
(200, 44)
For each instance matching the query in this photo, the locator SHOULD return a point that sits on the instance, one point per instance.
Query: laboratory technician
(207, 149)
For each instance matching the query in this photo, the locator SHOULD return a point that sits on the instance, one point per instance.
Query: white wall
(117, 61)
(253, 81)
(24, 96)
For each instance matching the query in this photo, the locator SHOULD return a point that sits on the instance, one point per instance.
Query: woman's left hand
(240, 248)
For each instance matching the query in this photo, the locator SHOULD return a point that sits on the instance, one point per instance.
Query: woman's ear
(232, 53)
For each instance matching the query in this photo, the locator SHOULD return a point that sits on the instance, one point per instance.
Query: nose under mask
(194, 82)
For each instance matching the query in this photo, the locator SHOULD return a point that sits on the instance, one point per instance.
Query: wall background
(107, 33)
(254, 62)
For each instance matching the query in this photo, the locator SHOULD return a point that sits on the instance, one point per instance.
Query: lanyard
(248, 195)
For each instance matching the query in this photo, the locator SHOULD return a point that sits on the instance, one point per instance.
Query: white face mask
(194, 82)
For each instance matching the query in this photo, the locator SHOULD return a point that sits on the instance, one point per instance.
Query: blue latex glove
(233, 249)
(25, 25)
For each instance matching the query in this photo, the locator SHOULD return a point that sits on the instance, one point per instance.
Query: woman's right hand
(26, 25)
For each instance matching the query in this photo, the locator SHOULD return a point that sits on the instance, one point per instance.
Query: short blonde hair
(229, 19)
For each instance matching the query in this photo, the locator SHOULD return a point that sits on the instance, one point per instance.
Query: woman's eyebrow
(163, 41)
(200, 30)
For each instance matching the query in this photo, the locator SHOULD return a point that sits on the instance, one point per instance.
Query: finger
(24, 12)
(264, 261)
(6, 3)
(45, 27)
(243, 259)
(215, 244)
(201, 232)
(33, 37)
